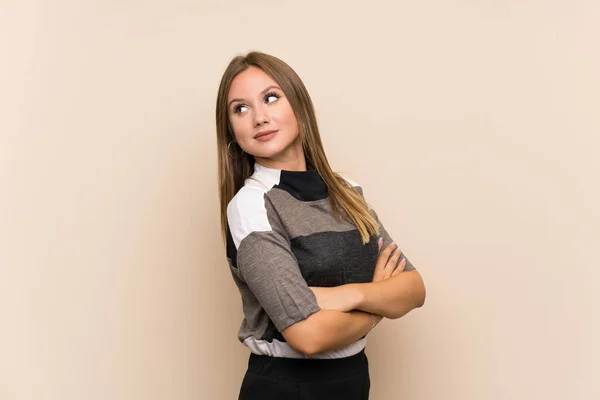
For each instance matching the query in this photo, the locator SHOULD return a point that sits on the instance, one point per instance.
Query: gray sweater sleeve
(265, 262)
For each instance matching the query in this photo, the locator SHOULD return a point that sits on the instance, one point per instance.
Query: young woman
(303, 246)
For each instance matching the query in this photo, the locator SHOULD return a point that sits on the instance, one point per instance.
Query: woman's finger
(402, 264)
(392, 262)
(400, 267)
(384, 256)
(381, 263)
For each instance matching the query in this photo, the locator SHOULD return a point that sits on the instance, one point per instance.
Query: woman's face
(262, 119)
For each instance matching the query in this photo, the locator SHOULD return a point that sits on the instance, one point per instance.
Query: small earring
(228, 152)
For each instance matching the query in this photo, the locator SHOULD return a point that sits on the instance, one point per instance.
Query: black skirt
(276, 378)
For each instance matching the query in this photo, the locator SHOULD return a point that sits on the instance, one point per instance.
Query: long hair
(235, 166)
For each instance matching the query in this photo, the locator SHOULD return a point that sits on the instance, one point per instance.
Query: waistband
(307, 369)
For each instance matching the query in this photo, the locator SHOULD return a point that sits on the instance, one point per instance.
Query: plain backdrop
(473, 127)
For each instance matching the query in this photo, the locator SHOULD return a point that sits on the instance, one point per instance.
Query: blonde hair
(235, 166)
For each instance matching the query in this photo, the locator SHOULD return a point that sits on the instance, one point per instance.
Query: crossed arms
(347, 311)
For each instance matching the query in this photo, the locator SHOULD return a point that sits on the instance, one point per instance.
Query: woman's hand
(387, 263)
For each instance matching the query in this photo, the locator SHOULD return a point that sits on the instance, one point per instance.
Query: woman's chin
(276, 149)
(271, 152)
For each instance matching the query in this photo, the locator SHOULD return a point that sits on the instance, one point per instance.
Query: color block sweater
(282, 238)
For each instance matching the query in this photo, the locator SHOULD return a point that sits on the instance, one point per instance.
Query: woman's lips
(267, 136)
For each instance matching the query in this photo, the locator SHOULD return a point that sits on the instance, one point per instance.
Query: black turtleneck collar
(303, 185)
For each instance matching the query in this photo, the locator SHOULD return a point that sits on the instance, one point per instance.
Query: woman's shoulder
(246, 212)
(348, 179)
(352, 182)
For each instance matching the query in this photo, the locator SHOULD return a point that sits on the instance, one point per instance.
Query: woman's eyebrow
(262, 92)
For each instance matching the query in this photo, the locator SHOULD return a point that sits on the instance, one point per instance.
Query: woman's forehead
(251, 81)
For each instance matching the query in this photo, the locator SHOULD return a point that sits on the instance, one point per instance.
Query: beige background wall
(473, 127)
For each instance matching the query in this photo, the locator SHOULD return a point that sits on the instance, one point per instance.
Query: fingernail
(380, 240)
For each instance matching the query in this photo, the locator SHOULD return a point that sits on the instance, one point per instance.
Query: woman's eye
(271, 97)
(239, 109)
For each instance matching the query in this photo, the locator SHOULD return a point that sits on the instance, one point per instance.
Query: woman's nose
(261, 116)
